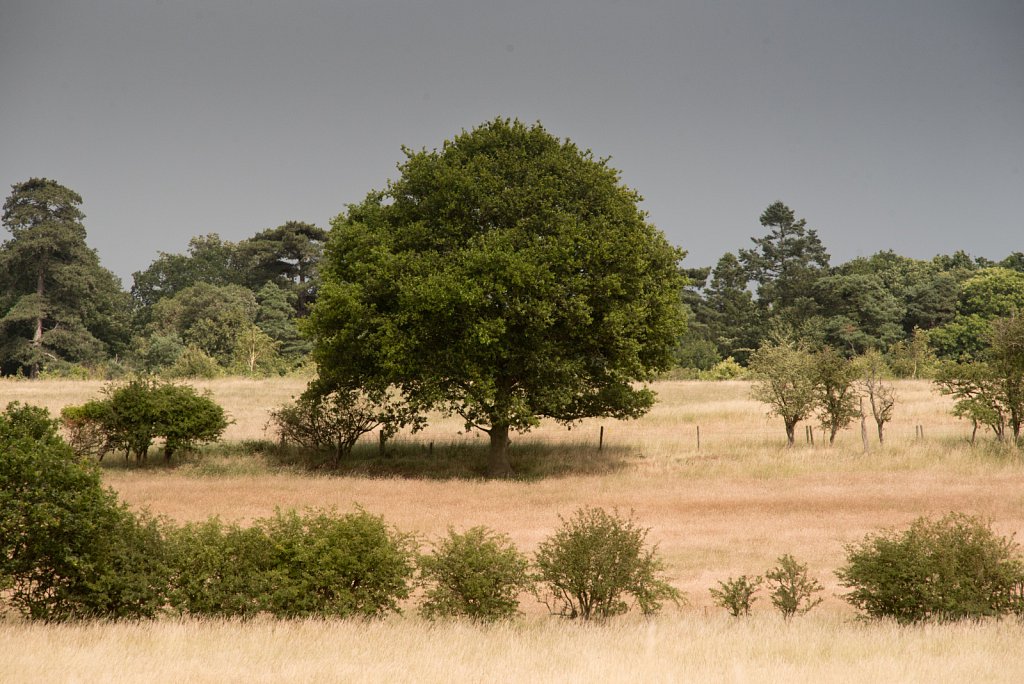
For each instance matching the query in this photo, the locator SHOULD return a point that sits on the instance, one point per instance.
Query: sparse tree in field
(835, 392)
(991, 391)
(872, 383)
(56, 302)
(785, 378)
(506, 277)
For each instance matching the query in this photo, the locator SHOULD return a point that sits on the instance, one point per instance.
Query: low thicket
(953, 568)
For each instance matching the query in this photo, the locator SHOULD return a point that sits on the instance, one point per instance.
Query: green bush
(132, 415)
(67, 548)
(477, 574)
(317, 564)
(792, 590)
(948, 569)
(222, 571)
(338, 566)
(737, 595)
(595, 561)
(726, 369)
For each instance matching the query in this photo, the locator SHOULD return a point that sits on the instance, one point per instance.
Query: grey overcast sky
(887, 124)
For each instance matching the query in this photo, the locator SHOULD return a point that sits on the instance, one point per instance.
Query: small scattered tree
(792, 589)
(785, 379)
(990, 391)
(737, 595)
(835, 395)
(881, 395)
(477, 574)
(597, 559)
(953, 568)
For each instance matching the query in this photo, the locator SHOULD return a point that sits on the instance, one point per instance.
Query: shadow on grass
(401, 459)
(453, 461)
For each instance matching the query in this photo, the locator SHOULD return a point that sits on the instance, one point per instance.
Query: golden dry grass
(729, 508)
(678, 648)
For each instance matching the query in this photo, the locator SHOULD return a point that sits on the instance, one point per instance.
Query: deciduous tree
(506, 277)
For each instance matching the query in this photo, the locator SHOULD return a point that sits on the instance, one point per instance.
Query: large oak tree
(506, 277)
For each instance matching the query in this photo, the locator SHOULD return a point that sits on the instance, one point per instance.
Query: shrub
(948, 569)
(477, 574)
(737, 595)
(326, 565)
(594, 561)
(334, 420)
(67, 548)
(317, 564)
(792, 590)
(726, 369)
(222, 571)
(132, 415)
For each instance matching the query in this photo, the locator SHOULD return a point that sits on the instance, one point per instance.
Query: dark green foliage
(953, 568)
(785, 264)
(207, 317)
(56, 302)
(317, 564)
(477, 574)
(340, 566)
(68, 550)
(132, 415)
(506, 277)
(792, 590)
(222, 571)
(594, 561)
(737, 595)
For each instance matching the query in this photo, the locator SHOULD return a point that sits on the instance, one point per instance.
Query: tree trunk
(498, 464)
(37, 336)
(881, 424)
(790, 430)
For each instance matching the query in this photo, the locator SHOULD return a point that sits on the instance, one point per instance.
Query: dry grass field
(730, 507)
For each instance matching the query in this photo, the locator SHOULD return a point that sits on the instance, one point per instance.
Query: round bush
(477, 574)
(595, 561)
(948, 569)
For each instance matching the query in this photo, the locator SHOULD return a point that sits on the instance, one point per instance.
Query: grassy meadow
(729, 507)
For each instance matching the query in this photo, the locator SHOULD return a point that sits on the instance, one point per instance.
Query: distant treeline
(236, 307)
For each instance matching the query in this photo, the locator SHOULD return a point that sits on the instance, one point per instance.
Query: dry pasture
(730, 507)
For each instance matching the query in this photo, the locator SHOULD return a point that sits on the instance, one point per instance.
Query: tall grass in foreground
(680, 647)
